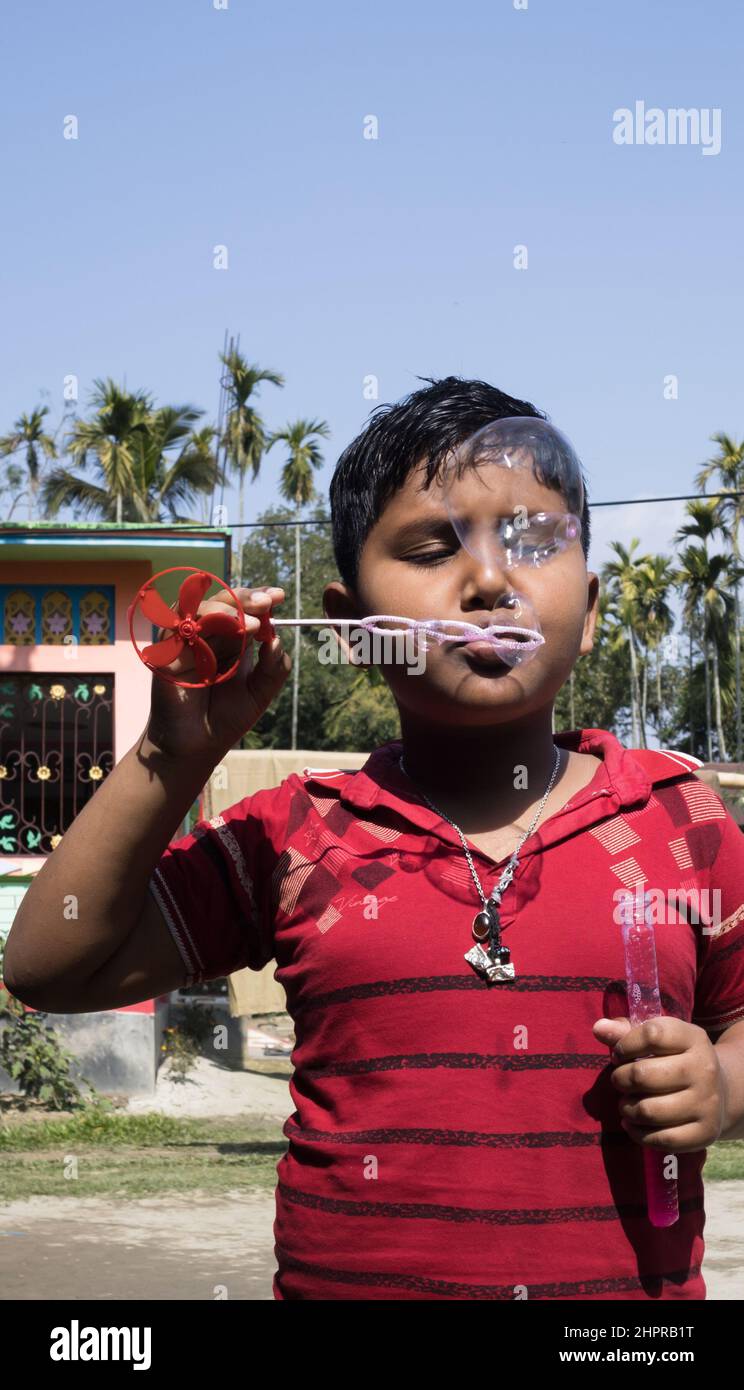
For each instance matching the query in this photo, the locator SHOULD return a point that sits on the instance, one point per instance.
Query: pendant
(495, 965)
(487, 923)
(482, 925)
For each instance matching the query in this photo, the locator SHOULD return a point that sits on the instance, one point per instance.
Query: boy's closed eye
(534, 540)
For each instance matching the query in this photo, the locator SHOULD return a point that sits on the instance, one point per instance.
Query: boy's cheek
(563, 630)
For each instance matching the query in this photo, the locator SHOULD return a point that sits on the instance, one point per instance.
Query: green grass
(725, 1160)
(136, 1156)
(119, 1155)
(93, 1126)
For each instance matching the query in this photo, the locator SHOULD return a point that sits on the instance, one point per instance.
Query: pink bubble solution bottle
(644, 1001)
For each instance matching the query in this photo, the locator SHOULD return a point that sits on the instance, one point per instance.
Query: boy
(452, 1138)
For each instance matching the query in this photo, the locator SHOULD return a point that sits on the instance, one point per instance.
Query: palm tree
(164, 481)
(727, 470)
(706, 582)
(203, 445)
(28, 434)
(719, 607)
(296, 485)
(13, 483)
(704, 524)
(109, 441)
(656, 580)
(625, 580)
(130, 444)
(244, 437)
(705, 520)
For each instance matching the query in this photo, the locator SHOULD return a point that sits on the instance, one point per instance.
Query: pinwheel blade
(156, 609)
(192, 592)
(204, 660)
(163, 653)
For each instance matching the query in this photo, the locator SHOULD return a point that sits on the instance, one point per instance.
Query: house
(73, 699)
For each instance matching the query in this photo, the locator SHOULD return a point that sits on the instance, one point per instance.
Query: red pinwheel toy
(184, 628)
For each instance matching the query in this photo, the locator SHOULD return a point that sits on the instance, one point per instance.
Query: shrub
(184, 1041)
(33, 1055)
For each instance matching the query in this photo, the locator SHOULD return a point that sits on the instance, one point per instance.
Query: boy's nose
(488, 575)
(489, 595)
(481, 538)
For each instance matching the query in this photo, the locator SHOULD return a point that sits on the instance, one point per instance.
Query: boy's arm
(730, 1050)
(88, 935)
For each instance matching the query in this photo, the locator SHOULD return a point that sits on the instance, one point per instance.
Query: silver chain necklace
(495, 962)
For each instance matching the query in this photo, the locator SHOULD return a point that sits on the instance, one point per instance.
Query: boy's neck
(480, 764)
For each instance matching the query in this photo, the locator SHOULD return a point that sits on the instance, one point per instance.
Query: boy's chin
(471, 672)
(474, 698)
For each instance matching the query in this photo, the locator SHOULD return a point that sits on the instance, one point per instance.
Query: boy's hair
(427, 424)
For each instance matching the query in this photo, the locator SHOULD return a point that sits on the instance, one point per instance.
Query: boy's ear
(340, 601)
(592, 612)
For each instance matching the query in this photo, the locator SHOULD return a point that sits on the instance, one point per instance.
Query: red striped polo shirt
(453, 1139)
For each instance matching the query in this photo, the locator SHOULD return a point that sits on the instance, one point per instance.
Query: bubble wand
(186, 628)
(644, 1001)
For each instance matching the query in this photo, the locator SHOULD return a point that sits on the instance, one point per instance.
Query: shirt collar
(619, 782)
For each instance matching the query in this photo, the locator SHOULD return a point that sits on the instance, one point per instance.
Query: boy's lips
(483, 651)
(503, 645)
(509, 636)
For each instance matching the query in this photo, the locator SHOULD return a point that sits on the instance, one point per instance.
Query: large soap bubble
(498, 529)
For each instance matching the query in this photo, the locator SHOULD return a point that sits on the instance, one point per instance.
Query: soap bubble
(471, 489)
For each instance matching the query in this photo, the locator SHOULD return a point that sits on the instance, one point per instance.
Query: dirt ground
(176, 1247)
(192, 1247)
(186, 1247)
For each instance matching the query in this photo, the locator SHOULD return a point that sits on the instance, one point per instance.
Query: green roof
(163, 544)
(32, 526)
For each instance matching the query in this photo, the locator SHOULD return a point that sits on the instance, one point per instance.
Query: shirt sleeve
(719, 991)
(214, 886)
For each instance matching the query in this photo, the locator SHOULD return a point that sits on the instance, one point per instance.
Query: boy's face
(412, 564)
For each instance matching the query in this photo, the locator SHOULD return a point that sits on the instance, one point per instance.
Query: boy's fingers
(268, 592)
(261, 602)
(267, 676)
(610, 1030)
(660, 1036)
(655, 1076)
(249, 601)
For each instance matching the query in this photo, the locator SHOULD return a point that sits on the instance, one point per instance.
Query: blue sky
(392, 257)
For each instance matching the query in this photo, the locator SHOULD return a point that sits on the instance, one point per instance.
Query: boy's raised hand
(675, 1099)
(207, 722)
